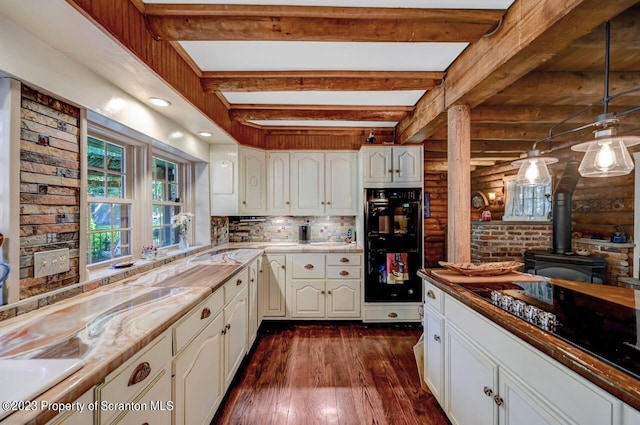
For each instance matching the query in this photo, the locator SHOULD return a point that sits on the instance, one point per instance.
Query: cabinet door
(470, 382)
(252, 178)
(407, 164)
(254, 316)
(343, 298)
(278, 201)
(520, 405)
(434, 353)
(377, 166)
(75, 417)
(308, 298)
(307, 183)
(272, 288)
(198, 381)
(341, 183)
(157, 398)
(235, 338)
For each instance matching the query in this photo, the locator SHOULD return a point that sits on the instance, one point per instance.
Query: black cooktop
(604, 329)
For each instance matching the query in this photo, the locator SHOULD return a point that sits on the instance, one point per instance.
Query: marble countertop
(621, 385)
(107, 326)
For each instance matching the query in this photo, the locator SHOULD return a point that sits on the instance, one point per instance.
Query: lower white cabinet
(158, 405)
(434, 352)
(272, 288)
(235, 333)
(255, 269)
(75, 417)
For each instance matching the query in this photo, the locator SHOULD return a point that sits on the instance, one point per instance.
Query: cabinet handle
(140, 373)
(498, 400)
(392, 315)
(252, 280)
(437, 338)
(244, 202)
(328, 202)
(228, 326)
(322, 292)
(488, 391)
(391, 171)
(431, 294)
(329, 292)
(287, 202)
(238, 282)
(224, 331)
(282, 266)
(344, 273)
(344, 260)
(308, 266)
(397, 171)
(206, 312)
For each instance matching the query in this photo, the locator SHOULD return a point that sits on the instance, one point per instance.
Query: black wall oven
(393, 245)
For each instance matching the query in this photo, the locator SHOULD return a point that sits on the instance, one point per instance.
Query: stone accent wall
(507, 241)
(619, 256)
(285, 229)
(219, 230)
(49, 187)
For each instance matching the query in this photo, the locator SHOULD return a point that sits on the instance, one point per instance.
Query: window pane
(95, 180)
(173, 196)
(95, 153)
(158, 192)
(100, 247)
(121, 244)
(171, 172)
(115, 158)
(159, 169)
(100, 217)
(115, 186)
(121, 216)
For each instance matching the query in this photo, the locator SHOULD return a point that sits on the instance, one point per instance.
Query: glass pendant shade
(533, 170)
(606, 157)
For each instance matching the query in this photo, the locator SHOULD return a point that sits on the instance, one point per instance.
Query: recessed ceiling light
(205, 133)
(159, 102)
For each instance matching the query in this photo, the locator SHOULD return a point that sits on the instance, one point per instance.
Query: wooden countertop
(621, 385)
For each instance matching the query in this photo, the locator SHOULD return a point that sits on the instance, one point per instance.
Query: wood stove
(565, 266)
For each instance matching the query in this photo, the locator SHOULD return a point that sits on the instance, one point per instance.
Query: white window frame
(182, 189)
(511, 212)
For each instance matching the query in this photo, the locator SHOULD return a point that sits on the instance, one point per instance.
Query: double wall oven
(393, 245)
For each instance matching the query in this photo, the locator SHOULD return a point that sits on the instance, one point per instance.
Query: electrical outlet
(46, 263)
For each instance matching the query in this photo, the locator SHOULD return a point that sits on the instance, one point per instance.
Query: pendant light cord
(607, 54)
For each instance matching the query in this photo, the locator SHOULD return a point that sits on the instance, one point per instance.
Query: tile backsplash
(285, 229)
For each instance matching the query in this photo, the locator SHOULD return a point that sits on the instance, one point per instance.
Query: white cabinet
(254, 269)
(324, 183)
(272, 289)
(434, 352)
(325, 286)
(252, 181)
(75, 417)
(236, 326)
(392, 166)
(278, 187)
(158, 405)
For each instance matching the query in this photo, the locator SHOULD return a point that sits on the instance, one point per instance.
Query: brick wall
(49, 187)
(619, 256)
(507, 241)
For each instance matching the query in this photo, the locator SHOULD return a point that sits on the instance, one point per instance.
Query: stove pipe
(562, 208)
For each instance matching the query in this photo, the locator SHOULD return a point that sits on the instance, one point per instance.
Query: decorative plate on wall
(478, 200)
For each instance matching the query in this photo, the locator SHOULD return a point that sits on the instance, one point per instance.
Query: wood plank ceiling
(341, 68)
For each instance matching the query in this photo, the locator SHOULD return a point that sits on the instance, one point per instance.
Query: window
(167, 200)
(526, 203)
(109, 201)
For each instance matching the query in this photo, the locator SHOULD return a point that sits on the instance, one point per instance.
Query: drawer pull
(498, 400)
(344, 273)
(392, 314)
(344, 260)
(308, 266)
(238, 282)
(488, 392)
(142, 371)
(206, 312)
(436, 338)
(431, 294)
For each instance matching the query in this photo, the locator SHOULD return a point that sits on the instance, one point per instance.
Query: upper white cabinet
(392, 166)
(324, 183)
(253, 198)
(278, 198)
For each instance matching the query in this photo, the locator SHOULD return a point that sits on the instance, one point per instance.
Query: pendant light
(533, 169)
(606, 155)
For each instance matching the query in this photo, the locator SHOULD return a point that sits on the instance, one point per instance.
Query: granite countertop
(107, 326)
(621, 385)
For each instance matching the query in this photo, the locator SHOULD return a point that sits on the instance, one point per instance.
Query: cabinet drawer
(235, 285)
(130, 379)
(155, 399)
(191, 324)
(308, 266)
(336, 272)
(433, 296)
(344, 259)
(395, 313)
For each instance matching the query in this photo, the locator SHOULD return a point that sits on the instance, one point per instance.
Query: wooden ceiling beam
(494, 148)
(523, 114)
(327, 131)
(336, 113)
(531, 34)
(313, 23)
(248, 81)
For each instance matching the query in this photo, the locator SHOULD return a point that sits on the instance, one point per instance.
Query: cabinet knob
(252, 280)
(140, 373)
(238, 282)
(498, 400)
(322, 203)
(390, 171)
(344, 260)
(397, 171)
(329, 292)
(488, 391)
(287, 202)
(431, 294)
(228, 326)
(282, 266)
(322, 292)
(308, 266)
(328, 202)
(206, 312)
(224, 331)
(244, 202)
(344, 273)
(392, 315)
(437, 338)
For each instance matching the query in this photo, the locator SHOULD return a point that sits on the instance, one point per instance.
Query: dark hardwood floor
(331, 373)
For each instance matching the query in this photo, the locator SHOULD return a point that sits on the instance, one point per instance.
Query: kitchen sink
(25, 379)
